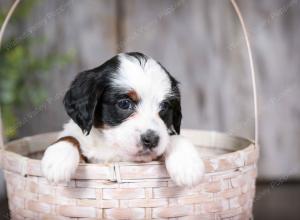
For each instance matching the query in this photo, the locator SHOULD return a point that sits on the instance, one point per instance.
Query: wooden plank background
(201, 44)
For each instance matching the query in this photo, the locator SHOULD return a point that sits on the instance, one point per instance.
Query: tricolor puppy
(127, 109)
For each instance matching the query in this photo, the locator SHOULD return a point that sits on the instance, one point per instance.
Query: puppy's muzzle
(149, 139)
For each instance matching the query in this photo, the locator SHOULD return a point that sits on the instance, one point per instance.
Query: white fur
(149, 80)
(183, 162)
(122, 142)
(60, 161)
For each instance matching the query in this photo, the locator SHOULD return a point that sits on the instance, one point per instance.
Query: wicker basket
(135, 190)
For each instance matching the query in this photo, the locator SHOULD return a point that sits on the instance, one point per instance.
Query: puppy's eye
(125, 104)
(164, 106)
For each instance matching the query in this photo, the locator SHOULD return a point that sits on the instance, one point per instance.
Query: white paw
(183, 162)
(60, 161)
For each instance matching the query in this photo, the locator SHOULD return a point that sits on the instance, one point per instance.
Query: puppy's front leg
(183, 162)
(61, 159)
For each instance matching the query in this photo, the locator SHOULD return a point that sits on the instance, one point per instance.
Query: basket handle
(250, 56)
(2, 29)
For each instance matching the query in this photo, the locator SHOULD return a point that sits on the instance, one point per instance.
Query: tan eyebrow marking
(133, 95)
(76, 144)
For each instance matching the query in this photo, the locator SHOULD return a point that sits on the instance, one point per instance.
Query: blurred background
(199, 41)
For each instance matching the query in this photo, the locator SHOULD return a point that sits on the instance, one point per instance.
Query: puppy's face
(132, 100)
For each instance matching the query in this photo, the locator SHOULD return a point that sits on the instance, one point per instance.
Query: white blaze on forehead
(148, 79)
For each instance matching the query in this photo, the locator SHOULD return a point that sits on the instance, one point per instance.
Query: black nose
(149, 139)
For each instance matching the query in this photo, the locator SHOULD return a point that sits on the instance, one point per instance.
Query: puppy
(127, 109)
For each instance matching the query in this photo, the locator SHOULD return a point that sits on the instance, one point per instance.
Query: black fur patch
(85, 92)
(107, 112)
(173, 116)
(139, 56)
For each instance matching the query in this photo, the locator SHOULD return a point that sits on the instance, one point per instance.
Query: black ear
(81, 99)
(85, 92)
(177, 116)
(176, 105)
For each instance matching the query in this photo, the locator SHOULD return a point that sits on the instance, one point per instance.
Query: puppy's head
(132, 100)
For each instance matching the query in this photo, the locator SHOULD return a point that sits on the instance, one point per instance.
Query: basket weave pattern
(130, 190)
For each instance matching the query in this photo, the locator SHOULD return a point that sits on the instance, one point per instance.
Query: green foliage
(21, 72)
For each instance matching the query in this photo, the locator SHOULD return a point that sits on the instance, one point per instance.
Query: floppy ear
(176, 105)
(177, 116)
(81, 99)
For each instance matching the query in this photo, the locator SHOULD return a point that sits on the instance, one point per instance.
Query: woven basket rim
(184, 130)
(239, 158)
